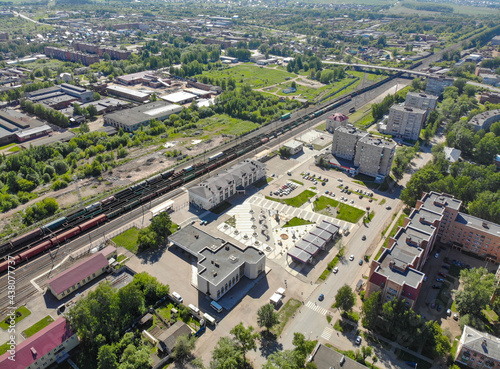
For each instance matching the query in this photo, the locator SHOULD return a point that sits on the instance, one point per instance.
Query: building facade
(421, 101)
(336, 120)
(485, 120)
(405, 122)
(294, 146)
(225, 184)
(345, 140)
(478, 350)
(69, 55)
(46, 347)
(437, 83)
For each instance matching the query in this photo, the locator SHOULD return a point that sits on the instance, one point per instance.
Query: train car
(114, 213)
(148, 197)
(66, 235)
(91, 208)
(213, 157)
(132, 204)
(139, 187)
(32, 252)
(188, 169)
(52, 226)
(108, 200)
(286, 116)
(168, 174)
(264, 140)
(189, 176)
(154, 179)
(92, 223)
(123, 193)
(24, 238)
(5, 264)
(76, 214)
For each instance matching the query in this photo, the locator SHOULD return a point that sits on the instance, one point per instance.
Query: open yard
(294, 222)
(296, 201)
(21, 313)
(128, 239)
(285, 314)
(222, 124)
(38, 326)
(345, 212)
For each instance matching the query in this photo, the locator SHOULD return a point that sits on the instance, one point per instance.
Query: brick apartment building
(114, 54)
(69, 55)
(436, 217)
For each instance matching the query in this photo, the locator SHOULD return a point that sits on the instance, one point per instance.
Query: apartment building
(370, 155)
(405, 122)
(226, 183)
(478, 350)
(374, 156)
(69, 55)
(421, 101)
(436, 217)
(485, 120)
(437, 83)
(114, 54)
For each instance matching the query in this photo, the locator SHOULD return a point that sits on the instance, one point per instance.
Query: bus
(216, 306)
(209, 318)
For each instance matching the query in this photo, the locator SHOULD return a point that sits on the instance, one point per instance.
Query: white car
(358, 340)
(351, 258)
(335, 270)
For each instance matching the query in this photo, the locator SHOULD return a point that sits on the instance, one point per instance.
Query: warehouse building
(80, 274)
(136, 78)
(405, 122)
(226, 183)
(180, 97)
(60, 96)
(46, 347)
(12, 123)
(128, 93)
(221, 265)
(131, 119)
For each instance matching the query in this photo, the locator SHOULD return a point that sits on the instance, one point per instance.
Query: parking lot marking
(327, 333)
(313, 306)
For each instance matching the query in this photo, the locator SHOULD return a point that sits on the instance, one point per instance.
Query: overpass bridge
(379, 67)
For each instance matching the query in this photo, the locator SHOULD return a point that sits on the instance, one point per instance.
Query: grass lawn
(366, 121)
(219, 124)
(23, 311)
(294, 222)
(298, 182)
(322, 202)
(345, 212)
(252, 75)
(490, 314)
(382, 202)
(321, 127)
(296, 201)
(4, 348)
(128, 239)
(38, 326)
(285, 314)
(7, 146)
(14, 149)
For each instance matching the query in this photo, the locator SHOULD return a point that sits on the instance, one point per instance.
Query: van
(209, 318)
(216, 306)
(193, 308)
(177, 296)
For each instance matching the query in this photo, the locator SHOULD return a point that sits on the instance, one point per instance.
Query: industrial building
(221, 265)
(437, 83)
(180, 97)
(421, 101)
(60, 96)
(405, 122)
(131, 119)
(46, 347)
(13, 123)
(366, 154)
(436, 217)
(69, 55)
(65, 283)
(220, 187)
(336, 120)
(128, 93)
(485, 120)
(136, 78)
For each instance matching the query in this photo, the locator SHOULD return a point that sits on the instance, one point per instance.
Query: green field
(23, 311)
(38, 326)
(4, 348)
(128, 239)
(252, 75)
(345, 212)
(222, 124)
(294, 222)
(296, 201)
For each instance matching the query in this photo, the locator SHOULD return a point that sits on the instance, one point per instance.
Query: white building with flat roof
(180, 97)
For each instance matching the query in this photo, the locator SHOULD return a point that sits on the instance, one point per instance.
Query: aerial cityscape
(260, 184)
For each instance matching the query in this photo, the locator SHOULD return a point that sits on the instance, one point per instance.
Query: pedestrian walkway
(327, 333)
(314, 306)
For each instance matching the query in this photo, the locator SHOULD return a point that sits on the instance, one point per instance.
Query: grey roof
(315, 240)
(422, 219)
(349, 129)
(479, 224)
(452, 154)
(299, 254)
(377, 141)
(332, 228)
(327, 358)
(169, 337)
(436, 202)
(484, 343)
(143, 113)
(321, 233)
(398, 107)
(194, 239)
(480, 119)
(307, 247)
(61, 137)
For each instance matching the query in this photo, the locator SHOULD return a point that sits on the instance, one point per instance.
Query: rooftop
(339, 117)
(479, 224)
(480, 119)
(134, 76)
(403, 108)
(143, 113)
(38, 345)
(178, 97)
(327, 358)
(436, 202)
(195, 239)
(293, 144)
(125, 90)
(77, 273)
(420, 94)
(394, 264)
(484, 343)
(452, 154)
(351, 130)
(377, 141)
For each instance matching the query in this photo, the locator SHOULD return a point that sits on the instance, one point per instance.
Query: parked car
(436, 255)
(455, 316)
(436, 286)
(442, 274)
(445, 266)
(363, 238)
(360, 262)
(335, 270)
(351, 258)
(358, 340)
(448, 312)
(321, 297)
(388, 207)
(439, 280)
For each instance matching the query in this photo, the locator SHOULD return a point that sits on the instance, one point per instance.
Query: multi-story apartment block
(485, 120)
(405, 122)
(345, 140)
(113, 53)
(227, 183)
(437, 83)
(374, 156)
(397, 272)
(68, 55)
(421, 101)
(478, 350)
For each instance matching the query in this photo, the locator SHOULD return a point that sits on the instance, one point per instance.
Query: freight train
(81, 220)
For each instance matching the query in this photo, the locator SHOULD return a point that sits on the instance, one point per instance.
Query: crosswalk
(314, 306)
(327, 333)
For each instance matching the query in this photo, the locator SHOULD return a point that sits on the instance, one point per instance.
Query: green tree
(134, 358)
(227, 355)
(245, 337)
(345, 298)
(106, 359)
(366, 351)
(435, 339)
(302, 349)
(286, 359)
(96, 96)
(161, 225)
(478, 286)
(267, 317)
(183, 348)
(371, 309)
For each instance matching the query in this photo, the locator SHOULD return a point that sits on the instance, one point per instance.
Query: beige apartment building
(421, 101)
(437, 83)
(344, 141)
(374, 156)
(405, 122)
